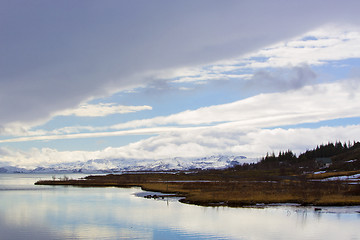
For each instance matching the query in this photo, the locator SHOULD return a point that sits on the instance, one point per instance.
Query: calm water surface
(47, 212)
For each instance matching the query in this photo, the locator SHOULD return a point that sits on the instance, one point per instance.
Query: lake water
(56, 212)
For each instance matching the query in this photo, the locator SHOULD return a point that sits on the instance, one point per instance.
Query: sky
(84, 80)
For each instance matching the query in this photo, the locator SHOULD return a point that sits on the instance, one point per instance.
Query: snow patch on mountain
(120, 165)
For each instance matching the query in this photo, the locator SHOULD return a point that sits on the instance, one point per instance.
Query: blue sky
(86, 80)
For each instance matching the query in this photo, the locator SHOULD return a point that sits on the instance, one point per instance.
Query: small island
(328, 175)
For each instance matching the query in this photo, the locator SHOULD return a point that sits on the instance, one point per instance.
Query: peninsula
(326, 175)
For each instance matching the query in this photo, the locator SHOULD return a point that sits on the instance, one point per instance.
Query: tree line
(288, 159)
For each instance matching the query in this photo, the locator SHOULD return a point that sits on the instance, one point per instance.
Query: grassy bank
(211, 189)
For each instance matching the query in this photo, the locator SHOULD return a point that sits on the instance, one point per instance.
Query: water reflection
(9, 230)
(114, 213)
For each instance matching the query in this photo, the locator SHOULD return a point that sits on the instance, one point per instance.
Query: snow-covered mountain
(118, 165)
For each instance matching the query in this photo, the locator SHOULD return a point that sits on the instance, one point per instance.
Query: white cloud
(84, 110)
(224, 139)
(20, 129)
(308, 104)
(234, 141)
(316, 47)
(60, 135)
(101, 110)
(328, 43)
(42, 157)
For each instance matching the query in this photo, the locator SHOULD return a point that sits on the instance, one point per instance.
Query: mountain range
(120, 165)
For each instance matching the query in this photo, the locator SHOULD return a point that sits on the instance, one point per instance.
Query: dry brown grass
(234, 191)
(244, 193)
(332, 174)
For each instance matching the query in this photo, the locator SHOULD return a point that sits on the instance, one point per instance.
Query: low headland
(328, 175)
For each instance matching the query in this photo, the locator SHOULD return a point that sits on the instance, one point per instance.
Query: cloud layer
(55, 55)
(312, 103)
(61, 59)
